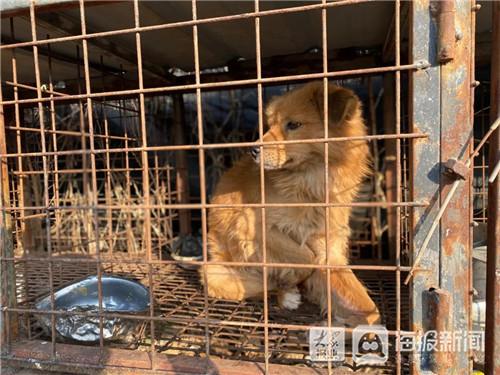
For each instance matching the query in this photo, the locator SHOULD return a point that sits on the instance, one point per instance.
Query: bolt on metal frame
(428, 146)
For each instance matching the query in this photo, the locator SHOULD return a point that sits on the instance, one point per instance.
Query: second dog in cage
(295, 173)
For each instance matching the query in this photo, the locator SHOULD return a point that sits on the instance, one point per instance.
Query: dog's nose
(255, 152)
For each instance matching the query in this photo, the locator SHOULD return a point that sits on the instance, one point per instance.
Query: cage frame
(447, 268)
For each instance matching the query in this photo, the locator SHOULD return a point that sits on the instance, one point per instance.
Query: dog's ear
(342, 104)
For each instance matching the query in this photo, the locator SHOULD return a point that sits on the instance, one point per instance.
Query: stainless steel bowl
(119, 295)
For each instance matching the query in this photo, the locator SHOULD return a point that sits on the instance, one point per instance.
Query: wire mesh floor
(179, 299)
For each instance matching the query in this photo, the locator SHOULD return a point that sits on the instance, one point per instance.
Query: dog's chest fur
(298, 222)
(302, 187)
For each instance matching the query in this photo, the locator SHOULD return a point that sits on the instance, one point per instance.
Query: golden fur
(294, 173)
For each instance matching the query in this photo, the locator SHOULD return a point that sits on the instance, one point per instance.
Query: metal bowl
(119, 295)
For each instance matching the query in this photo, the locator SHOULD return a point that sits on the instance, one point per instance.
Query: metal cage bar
(492, 361)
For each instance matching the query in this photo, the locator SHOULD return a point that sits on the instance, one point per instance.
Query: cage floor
(180, 301)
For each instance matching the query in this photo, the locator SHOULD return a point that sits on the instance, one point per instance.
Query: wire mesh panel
(112, 162)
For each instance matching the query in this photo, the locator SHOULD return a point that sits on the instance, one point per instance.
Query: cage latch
(456, 169)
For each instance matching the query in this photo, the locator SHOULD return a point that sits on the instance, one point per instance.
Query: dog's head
(298, 115)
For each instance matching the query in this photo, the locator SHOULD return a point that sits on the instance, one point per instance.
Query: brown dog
(294, 173)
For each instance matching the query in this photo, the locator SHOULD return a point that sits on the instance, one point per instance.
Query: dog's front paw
(290, 299)
(373, 317)
(362, 318)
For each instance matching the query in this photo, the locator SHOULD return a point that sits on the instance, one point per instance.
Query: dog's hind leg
(232, 283)
(351, 303)
(351, 299)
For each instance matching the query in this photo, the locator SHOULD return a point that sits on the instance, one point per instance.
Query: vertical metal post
(95, 191)
(375, 213)
(424, 112)
(108, 181)
(456, 142)
(442, 108)
(145, 183)
(21, 179)
(201, 166)
(397, 110)
(88, 241)
(492, 355)
(45, 164)
(53, 127)
(260, 112)
(390, 162)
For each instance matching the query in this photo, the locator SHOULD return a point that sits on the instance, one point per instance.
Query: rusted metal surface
(453, 170)
(448, 251)
(492, 355)
(445, 14)
(425, 157)
(438, 317)
(456, 141)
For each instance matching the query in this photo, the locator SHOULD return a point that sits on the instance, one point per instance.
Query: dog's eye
(291, 125)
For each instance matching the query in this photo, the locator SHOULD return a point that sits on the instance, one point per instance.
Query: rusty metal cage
(108, 158)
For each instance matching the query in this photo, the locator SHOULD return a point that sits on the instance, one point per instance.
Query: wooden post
(181, 163)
